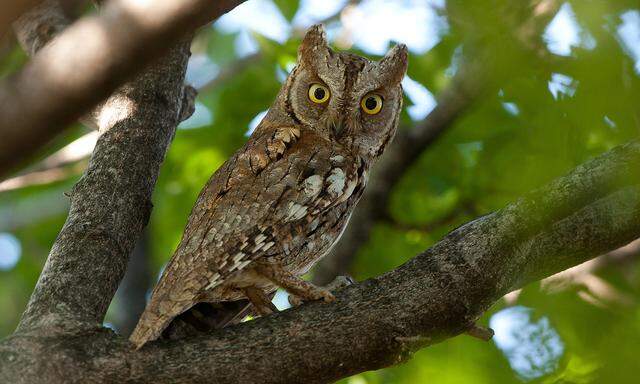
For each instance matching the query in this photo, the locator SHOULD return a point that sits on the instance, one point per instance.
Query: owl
(282, 201)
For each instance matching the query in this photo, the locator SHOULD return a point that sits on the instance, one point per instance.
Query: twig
(482, 333)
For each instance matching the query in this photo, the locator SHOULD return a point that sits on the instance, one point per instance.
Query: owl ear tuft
(314, 45)
(393, 65)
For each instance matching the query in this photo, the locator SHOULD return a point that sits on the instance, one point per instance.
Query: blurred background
(528, 90)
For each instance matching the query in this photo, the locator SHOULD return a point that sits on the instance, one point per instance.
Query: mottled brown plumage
(282, 201)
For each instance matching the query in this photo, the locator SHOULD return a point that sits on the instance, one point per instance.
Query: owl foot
(303, 290)
(337, 284)
(295, 300)
(260, 301)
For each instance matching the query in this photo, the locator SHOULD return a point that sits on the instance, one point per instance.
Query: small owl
(282, 201)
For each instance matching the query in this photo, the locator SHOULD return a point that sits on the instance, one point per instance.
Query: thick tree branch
(138, 122)
(87, 62)
(111, 204)
(39, 26)
(378, 322)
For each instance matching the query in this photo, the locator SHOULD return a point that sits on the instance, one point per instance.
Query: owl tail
(154, 320)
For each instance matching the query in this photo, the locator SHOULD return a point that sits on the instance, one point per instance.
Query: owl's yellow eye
(371, 104)
(318, 93)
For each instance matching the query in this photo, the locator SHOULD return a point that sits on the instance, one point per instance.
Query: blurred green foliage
(514, 137)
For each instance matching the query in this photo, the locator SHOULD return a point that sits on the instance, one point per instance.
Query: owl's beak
(337, 127)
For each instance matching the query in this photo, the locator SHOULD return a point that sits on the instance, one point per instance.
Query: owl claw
(327, 296)
(321, 294)
(295, 300)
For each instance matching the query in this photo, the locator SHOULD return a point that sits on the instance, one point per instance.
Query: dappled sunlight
(562, 86)
(10, 251)
(422, 101)
(499, 100)
(511, 108)
(416, 23)
(201, 70)
(533, 347)
(261, 16)
(314, 11)
(629, 35)
(564, 33)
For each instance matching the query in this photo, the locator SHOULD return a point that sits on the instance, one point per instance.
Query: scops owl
(282, 201)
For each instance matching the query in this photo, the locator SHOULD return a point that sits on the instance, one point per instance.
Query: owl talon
(295, 300)
(321, 294)
(327, 296)
(304, 290)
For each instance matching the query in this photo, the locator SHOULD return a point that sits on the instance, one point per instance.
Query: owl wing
(279, 178)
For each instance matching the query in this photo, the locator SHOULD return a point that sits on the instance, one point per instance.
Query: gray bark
(373, 324)
(111, 204)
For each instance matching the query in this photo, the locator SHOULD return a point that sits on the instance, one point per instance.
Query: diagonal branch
(86, 63)
(111, 204)
(382, 321)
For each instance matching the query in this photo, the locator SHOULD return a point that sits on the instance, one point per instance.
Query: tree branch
(111, 204)
(87, 62)
(382, 321)
(138, 120)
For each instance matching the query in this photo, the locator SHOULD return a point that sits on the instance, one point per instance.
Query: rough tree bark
(156, 100)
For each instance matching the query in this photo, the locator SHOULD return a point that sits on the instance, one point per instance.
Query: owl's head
(345, 98)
